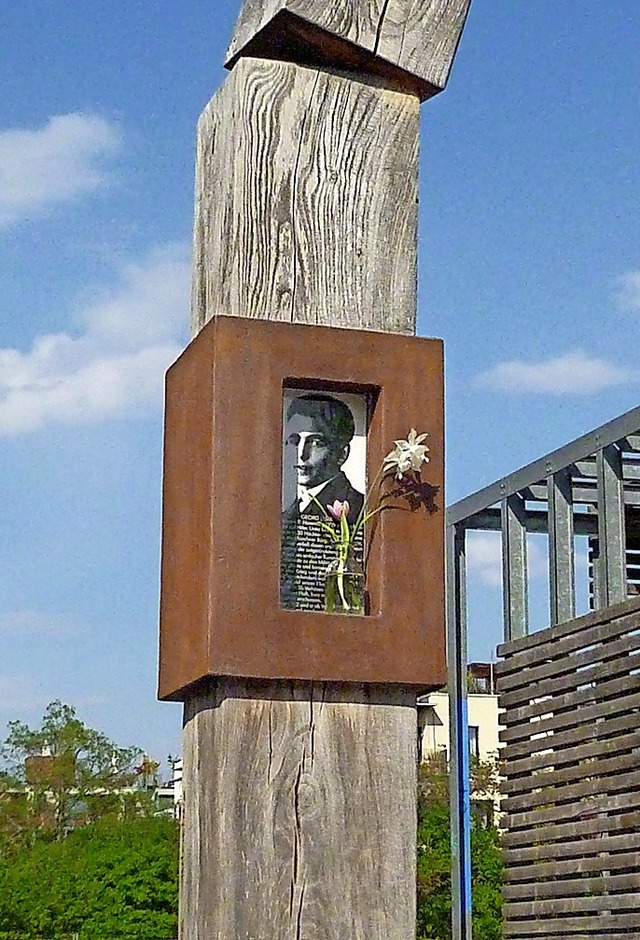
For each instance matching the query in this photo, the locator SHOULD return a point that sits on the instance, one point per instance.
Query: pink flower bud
(338, 509)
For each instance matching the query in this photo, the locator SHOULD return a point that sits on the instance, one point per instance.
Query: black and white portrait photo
(324, 460)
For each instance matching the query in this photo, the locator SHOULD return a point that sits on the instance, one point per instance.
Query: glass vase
(344, 591)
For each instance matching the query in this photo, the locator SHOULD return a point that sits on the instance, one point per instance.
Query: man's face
(315, 457)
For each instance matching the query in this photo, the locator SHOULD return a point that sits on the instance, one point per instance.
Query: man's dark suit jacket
(339, 488)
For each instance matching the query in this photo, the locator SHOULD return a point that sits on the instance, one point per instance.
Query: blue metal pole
(460, 797)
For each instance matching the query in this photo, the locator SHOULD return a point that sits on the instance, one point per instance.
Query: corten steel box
(220, 610)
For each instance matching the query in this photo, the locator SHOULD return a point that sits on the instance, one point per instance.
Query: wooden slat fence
(571, 700)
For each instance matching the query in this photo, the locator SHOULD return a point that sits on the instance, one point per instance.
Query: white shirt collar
(305, 493)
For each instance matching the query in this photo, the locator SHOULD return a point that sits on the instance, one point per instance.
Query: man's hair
(334, 417)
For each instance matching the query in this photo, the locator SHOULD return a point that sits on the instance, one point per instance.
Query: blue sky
(529, 270)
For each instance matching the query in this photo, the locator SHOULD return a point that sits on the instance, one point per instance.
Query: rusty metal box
(220, 610)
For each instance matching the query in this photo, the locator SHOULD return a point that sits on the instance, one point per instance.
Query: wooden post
(306, 200)
(300, 797)
(300, 812)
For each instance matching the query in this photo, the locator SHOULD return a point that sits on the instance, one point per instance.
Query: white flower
(407, 455)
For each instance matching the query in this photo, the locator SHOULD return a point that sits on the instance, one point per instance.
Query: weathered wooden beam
(306, 200)
(299, 812)
(300, 798)
(412, 45)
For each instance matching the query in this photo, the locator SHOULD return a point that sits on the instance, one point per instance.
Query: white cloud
(628, 292)
(28, 622)
(114, 366)
(484, 558)
(573, 373)
(68, 156)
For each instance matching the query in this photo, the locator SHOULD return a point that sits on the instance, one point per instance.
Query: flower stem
(363, 515)
(340, 579)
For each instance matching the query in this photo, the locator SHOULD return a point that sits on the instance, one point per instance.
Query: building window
(474, 746)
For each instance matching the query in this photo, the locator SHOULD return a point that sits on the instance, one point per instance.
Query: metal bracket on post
(460, 797)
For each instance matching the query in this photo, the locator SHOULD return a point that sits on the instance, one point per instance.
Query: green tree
(434, 855)
(105, 880)
(60, 775)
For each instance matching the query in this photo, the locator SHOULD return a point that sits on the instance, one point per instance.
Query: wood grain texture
(355, 21)
(300, 813)
(572, 777)
(300, 799)
(421, 36)
(418, 37)
(306, 200)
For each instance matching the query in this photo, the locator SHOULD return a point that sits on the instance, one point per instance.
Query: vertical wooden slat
(561, 547)
(514, 568)
(458, 732)
(611, 583)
